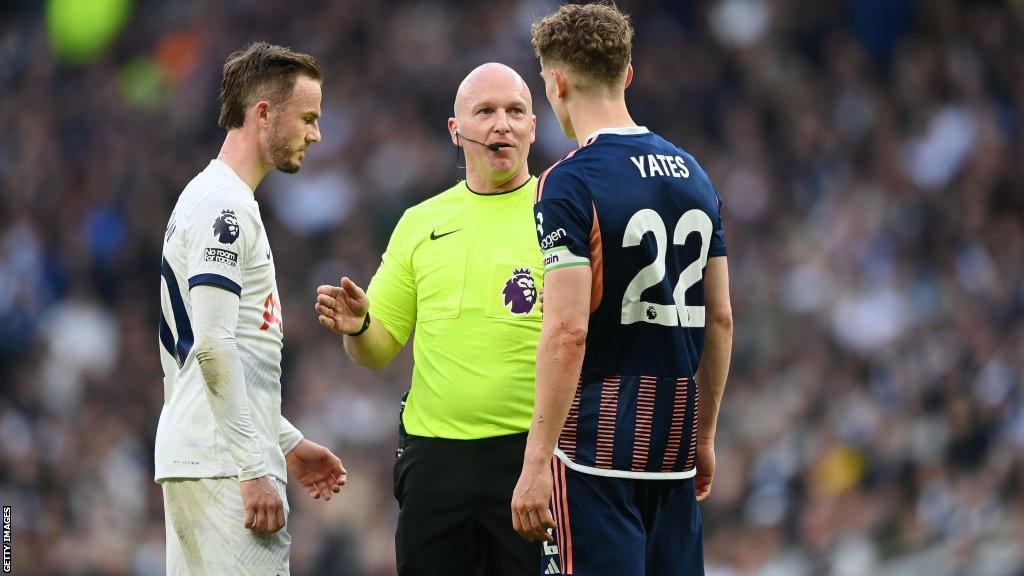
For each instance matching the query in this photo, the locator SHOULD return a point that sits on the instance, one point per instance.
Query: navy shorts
(623, 526)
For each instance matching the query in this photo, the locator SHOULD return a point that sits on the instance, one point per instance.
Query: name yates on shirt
(660, 165)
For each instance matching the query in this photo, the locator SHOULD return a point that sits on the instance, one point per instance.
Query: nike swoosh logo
(434, 235)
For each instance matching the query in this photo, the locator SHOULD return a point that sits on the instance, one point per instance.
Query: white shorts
(206, 535)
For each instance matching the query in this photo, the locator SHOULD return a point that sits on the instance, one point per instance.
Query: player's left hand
(316, 468)
(705, 470)
(531, 516)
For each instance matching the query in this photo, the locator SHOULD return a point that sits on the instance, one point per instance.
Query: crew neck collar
(623, 131)
(228, 172)
(505, 193)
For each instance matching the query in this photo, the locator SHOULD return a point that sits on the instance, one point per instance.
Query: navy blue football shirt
(642, 213)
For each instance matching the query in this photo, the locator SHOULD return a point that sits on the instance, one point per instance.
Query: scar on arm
(573, 336)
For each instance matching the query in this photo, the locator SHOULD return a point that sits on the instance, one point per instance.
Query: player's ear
(533, 128)
(453, 127)
(629, 75)
(261, 113)
(561, 82)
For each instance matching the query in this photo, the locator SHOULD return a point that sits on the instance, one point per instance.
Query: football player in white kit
(223, 448)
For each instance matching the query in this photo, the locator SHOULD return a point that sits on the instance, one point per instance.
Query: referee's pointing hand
(341, 308)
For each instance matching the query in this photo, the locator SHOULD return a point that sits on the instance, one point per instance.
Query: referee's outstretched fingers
(327, 308)
(328, 290)
(323, 309)
(325, 317)
(351, 288)
(327, 301)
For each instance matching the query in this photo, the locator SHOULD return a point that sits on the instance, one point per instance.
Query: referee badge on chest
(520, 292)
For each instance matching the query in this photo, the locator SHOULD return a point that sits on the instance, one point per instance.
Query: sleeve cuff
(252, 473)
(400, 331)
(290, 440)
(215, 280)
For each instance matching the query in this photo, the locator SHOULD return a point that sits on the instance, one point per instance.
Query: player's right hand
(531, 516)
(264, 509)
(342, 308)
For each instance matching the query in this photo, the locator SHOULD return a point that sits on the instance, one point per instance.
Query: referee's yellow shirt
(465, 270)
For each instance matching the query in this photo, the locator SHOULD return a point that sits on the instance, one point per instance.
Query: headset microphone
(492, 147)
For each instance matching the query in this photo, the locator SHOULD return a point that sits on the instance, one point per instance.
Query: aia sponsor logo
(272, 313)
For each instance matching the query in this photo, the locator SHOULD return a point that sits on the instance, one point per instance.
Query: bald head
(494, 114)
(487, 79)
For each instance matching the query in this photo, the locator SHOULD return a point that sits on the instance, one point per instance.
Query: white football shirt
(215, 237)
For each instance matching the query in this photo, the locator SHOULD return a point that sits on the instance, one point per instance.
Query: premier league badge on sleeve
(520, 292)
(225, 227)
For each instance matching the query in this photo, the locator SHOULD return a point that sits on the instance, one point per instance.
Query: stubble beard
(281, 154)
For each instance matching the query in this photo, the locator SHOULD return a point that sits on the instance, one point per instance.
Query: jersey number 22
(636, 310)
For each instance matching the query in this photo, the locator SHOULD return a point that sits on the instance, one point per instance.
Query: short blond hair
(595, 41)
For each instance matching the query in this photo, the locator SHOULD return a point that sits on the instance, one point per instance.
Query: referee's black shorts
(454, 499)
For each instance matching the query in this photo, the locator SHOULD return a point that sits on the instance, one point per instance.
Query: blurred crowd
(870, 159)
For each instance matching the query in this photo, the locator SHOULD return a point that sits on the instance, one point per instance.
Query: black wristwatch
(366, 325)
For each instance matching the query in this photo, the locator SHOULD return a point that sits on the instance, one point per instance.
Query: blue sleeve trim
(184, 326)
(166, 338)
(215, 280)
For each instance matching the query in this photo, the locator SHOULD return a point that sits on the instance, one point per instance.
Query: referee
(463, 270)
